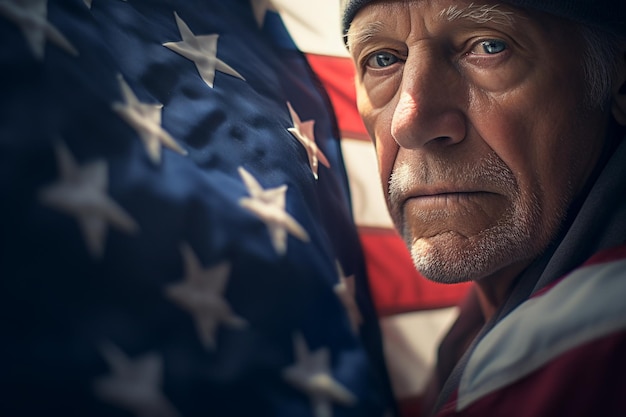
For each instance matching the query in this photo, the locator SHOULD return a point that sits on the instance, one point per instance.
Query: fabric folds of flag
(176, 236)
(414, 312)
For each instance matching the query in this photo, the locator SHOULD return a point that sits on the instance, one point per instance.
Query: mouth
(447, 194)
(447, 199)
(427, 214)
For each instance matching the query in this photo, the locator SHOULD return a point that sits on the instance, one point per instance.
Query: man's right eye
(381, 60)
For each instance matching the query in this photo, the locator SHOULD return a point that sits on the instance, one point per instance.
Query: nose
(429, 111)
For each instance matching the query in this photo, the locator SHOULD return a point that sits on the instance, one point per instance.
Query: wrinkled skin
(482, 129)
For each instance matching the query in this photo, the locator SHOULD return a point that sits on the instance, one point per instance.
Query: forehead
(380, 16)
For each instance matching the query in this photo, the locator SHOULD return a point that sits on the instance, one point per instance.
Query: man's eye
(381, 60)
(490, 47)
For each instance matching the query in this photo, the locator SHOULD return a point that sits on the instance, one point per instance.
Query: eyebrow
(363, 34)
(479, 14)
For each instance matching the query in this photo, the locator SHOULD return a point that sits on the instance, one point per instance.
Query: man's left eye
(381, 60)
(490, 47)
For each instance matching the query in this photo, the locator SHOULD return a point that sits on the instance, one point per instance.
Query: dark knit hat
(609, 15)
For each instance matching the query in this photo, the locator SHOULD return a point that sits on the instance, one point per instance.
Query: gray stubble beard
(452, 258)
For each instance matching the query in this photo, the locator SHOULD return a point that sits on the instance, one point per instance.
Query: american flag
(176, 235)
(414, 313)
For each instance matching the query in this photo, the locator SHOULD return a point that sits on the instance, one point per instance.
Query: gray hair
(601, 56)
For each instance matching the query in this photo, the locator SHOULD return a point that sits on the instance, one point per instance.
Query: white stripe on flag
(313, 25)
(368, 203)
(410, 342)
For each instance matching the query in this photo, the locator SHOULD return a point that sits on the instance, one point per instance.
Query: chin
(450, 257)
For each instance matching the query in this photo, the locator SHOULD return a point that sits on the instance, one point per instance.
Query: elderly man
(499, 129)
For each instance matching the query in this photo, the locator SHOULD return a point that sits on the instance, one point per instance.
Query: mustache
(490, 173)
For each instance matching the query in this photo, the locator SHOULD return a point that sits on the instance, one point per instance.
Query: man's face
(483, 137)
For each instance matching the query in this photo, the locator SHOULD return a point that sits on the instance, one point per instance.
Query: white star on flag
(201, 294)
(134, 385)
(31, 17)
(269, 206)
(82, 192)
(146, 120)
(202, 50)
(260, 8)
(311, 374)
(346, 291)
(303, 131)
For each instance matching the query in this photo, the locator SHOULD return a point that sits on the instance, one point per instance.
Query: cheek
(507, 129)
(378, 122)
(549, 147)
(386, 153)
(567, 161)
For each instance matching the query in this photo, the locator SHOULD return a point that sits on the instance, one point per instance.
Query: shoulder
(562, 348)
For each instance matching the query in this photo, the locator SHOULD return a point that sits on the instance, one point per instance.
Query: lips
(445, 204)
(440, 190)
(446, 197)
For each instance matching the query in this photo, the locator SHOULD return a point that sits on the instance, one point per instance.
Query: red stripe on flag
(337, 75)
(396, 286)
(410, 407)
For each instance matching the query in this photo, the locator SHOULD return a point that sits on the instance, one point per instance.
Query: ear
(619, 93)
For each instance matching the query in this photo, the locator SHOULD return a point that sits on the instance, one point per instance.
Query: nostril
(443, 140)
